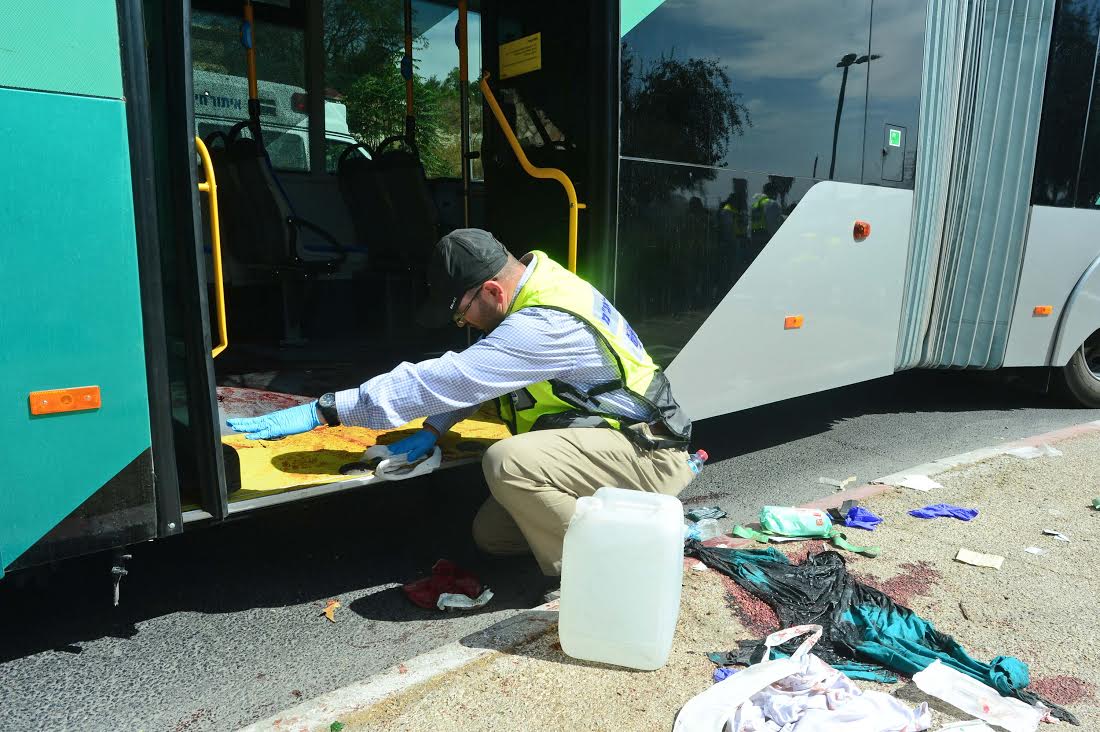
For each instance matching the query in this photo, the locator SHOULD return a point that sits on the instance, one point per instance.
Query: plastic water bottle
(695, 462)
(706, 529)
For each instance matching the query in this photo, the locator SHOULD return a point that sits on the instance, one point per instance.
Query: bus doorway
(335, 174)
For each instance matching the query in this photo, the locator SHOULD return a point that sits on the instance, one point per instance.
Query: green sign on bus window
(895, 138)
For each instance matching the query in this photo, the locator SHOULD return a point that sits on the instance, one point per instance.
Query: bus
(782, 198)
(221, 101)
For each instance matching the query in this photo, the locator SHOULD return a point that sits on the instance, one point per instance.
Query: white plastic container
(622, 569)
(978, 700)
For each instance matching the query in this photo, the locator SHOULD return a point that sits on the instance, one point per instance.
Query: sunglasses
(460, 316)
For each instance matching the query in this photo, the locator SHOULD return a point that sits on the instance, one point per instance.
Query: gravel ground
(1041, 609)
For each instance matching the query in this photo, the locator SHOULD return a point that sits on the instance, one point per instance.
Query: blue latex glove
(721, 674)
(946, 510)
(301, 418)
(860, 518)
(415, 446)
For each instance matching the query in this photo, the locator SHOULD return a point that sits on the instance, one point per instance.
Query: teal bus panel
(632, 12)
(70, 308)
(61, 45)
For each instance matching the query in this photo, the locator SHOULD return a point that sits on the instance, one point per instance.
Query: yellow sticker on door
(521, 56)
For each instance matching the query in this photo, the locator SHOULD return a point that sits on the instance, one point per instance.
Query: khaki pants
(536, 478)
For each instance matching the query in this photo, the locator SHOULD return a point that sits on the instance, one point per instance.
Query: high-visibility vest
(738, 218)
(759, 217)
(554, 404)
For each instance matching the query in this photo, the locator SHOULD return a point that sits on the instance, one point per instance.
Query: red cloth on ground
(446, 577)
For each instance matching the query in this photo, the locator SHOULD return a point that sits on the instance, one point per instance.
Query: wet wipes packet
(808, 522)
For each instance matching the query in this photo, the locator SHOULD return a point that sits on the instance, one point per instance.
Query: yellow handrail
(210, 188)
(531, 170)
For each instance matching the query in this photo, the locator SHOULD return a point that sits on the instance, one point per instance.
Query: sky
(441, 55)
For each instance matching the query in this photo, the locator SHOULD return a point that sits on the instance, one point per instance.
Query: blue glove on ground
(301, 418)
(860, 518)
(415, 446)
(946, 510)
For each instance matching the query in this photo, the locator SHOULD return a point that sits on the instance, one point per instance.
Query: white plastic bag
(397, 467)
(720, 705)
(977, 699)
(1029, 452)
(810, 696)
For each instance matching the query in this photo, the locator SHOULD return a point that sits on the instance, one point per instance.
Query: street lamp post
(847, 60)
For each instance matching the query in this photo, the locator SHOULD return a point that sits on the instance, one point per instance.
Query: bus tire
(1081, 376)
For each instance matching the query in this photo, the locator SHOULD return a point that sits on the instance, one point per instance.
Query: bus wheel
(1081, 375)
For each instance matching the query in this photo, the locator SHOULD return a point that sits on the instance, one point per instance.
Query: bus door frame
(165, 476)
(181, 161)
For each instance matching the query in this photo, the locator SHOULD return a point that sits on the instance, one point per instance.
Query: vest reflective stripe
(555, 404)
(759, 217)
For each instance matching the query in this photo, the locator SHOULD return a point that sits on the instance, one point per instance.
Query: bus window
(363, 50)
(1060, 177)
(1088, 188)
(532, 126)
(1088, 180)
(777, 87)
(221, 79)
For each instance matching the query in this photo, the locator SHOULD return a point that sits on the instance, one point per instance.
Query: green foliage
(364, 43)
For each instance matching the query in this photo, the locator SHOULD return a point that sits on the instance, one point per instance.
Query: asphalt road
(223, 626)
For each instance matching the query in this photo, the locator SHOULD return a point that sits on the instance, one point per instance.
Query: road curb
(319, 713)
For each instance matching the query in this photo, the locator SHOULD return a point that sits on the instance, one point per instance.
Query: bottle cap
(703, 454)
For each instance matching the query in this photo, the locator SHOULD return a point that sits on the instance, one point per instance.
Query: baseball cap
(461, 261)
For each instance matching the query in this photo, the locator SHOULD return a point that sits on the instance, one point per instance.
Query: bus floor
(257, 469)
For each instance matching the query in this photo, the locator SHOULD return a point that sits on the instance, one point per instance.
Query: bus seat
(259, 226)
(257, 214)
(391, 205)
(393, 210)
(368, 203)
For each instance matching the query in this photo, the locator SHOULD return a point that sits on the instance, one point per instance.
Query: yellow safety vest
(738, 219)
(759, 218)
(554, 404)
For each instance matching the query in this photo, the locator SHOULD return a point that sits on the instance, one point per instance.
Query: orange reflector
(1041, 310)
(861, 230)
(792, 322)
(64, 400)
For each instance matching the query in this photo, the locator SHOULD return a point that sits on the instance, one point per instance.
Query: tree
(682, 110)
(364, 43)
(361, 37)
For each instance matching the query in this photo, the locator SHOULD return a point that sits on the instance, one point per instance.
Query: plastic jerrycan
(622, 569)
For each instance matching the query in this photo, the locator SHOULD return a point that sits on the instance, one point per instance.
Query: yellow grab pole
(210, 188)
(531, 170)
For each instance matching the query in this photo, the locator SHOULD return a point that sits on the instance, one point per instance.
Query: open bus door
(553, 68)
(178, 173)
(260, 372)
(85, 422)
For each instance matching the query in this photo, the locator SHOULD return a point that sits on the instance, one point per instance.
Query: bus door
(81, 362)
(552, 70)
(182, 217)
